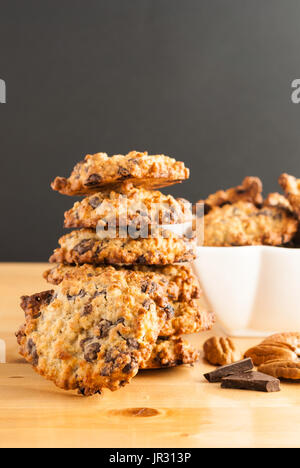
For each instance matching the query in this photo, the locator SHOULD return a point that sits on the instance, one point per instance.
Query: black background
(205, 81)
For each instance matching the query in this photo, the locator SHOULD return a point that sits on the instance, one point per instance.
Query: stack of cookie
(122, 301)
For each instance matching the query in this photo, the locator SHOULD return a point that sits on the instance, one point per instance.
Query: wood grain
(163, 408)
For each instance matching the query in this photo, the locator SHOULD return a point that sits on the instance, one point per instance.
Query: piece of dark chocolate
(252, 381)
(229, 369)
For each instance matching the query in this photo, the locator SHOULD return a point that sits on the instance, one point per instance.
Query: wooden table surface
(163, 408)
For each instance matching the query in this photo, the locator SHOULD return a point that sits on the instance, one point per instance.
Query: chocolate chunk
(132, 343)
(169, 311)
(104, 327)
(252, 381)
(120, 320)
(147, 304)
(84, 246)
(123, 173)
(81, 294)
(110, 355)
(32, 304)
(92, 180)
(94, 202)
(148, 287)
(141, 260)
(127, 368)
(100, 293)
(91, 352)
(207, 208)
(106, 371)
(229, 369)
(33, 352)
(134, 161)
(83, 342)
(130, 366)
(87, 310)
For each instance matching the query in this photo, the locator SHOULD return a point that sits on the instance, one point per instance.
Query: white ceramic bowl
(254, 291)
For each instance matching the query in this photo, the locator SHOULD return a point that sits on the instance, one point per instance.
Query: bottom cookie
(90, 335)
(171, 353)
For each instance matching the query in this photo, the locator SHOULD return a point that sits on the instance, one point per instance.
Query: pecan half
(289, 340)
(268, 352)
(282, 369)
(220, 351)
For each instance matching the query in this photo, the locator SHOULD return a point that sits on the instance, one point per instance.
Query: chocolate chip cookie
(90, 335)
(127, 205)
(174, 288)
(99, 171)
(85, 246)
(179, 280)
(242, 223)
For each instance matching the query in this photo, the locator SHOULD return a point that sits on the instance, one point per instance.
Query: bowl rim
(269, 248)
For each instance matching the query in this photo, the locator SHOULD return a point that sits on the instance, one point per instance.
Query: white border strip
(2, 352)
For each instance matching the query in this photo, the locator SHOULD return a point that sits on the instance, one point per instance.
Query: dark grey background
(206, 81)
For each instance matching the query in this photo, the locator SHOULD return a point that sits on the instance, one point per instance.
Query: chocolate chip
(31, 347)
(127, 368)
(123, 172)
(91, 352)
(21, 334)
(149, 287)
(87, 310)
(207, 208)
(94, 202)
(104, 327)
(103, 292)
(131, 365)
(120, 320)
(141, 259)
(84, 246)
(92, 180)
(32, 304)
(110, 355)
(169, 311)
(132, 343)
(81, 294)
(147, 304)
(83, 342)
(106, 371)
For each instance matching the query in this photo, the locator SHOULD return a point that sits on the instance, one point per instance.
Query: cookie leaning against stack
(120, 303)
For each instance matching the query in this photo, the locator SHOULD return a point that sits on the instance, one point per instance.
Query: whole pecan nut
(220, 351)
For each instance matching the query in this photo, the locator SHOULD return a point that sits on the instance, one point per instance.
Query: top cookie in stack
(99, 171)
